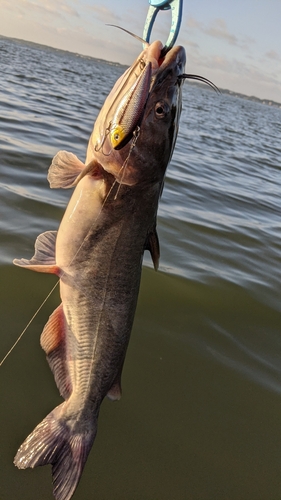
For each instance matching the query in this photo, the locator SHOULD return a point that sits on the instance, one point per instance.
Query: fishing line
(28, 324)
(52, 290)
(136, 134)
(122, 169)
(50, 293)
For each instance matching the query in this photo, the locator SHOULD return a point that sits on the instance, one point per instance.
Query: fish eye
(161, 109)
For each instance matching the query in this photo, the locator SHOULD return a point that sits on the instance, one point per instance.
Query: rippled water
(200, 416)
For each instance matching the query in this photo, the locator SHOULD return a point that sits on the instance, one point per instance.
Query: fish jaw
(145, 157)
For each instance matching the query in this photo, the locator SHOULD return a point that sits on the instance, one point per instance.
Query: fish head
(135, 132)
(160, 123)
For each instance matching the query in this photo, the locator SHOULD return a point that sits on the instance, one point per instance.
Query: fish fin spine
(54, 442)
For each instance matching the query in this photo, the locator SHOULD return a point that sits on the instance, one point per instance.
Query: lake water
(200, 415)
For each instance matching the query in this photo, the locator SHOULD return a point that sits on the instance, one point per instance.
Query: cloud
(104, 14)
(218, 29)
(193, 23)
(232, 73)
(70, 10)
(190, 44)
(43, 8)
(273, 55)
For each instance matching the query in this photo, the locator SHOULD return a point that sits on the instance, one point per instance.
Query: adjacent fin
(64, 170)
(59, 442)
(152, 244)
(43, 260)
(115, 391)
(53, 342)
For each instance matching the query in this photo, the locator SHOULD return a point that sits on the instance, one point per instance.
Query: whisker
(201, 79)
(130, 33)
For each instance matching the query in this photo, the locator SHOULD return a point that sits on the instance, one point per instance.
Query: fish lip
(175, 58)
(173, 61)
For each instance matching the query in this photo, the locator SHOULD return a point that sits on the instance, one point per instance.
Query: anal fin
(53, 342)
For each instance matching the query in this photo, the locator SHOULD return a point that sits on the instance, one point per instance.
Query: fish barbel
(97, 253)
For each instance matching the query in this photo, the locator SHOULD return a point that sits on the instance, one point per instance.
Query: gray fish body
(97, 253)
(99, 295)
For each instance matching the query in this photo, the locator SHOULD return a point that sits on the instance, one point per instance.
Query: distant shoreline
(267, 102)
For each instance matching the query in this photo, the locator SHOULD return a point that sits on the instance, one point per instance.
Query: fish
(97, 254)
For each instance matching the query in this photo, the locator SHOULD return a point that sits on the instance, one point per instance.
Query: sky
(236, 44)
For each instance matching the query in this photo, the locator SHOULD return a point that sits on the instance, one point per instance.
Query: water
(200, 416)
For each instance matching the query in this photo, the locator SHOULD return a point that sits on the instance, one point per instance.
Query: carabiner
(155, 6)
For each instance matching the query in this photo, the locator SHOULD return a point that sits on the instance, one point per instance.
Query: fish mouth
(173, 61)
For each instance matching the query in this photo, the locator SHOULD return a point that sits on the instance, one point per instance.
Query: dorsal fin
(152, 244)
(64, 170)
(53, 342)
(43, 260)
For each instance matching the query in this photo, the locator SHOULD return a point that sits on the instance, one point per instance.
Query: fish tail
(54, 442)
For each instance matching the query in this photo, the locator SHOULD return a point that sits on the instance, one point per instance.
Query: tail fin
(53, 442)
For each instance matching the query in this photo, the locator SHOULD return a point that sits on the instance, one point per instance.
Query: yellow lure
(130, 110)
(117, 135)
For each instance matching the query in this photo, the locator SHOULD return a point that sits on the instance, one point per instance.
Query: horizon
(240, 53)
(266, 101)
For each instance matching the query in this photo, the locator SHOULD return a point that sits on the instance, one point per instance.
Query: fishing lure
(130, 110)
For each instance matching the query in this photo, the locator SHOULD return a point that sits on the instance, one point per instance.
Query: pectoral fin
(53, 342)
(67, 170)
(64, 170)
(43, 260)
(152, 244)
